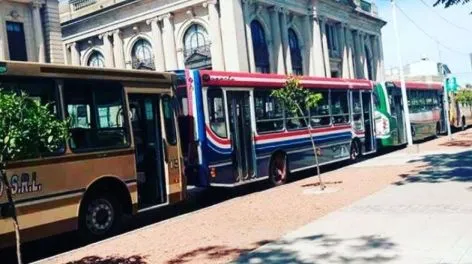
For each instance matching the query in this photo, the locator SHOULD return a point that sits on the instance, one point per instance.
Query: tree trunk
(308, 123)
(6, 184)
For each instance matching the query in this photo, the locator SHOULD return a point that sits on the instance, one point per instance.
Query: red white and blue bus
(236, 133)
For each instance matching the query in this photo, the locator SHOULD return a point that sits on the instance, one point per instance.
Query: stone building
(30, 31)
(334, 38)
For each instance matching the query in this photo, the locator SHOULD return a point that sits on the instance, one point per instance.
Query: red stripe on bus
(216, 138)
(299, 132)
(420, 85)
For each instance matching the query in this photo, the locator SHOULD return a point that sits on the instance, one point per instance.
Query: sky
(451, 27)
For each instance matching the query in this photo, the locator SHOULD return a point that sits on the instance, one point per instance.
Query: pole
(446, 109)
(402, 77)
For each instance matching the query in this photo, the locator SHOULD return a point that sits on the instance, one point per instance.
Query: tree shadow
(324, 249)
(438, 168)
(110, 260)
(458, 143)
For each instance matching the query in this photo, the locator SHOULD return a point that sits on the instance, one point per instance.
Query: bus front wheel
(100, 217)
(278, 169)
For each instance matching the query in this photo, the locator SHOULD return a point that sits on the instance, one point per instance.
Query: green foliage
(295, 98)
(464, 97)
(27, 129)
(448, 3)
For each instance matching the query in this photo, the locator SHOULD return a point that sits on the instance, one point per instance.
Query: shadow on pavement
(324, 249)
(110, 260)
(440, 168)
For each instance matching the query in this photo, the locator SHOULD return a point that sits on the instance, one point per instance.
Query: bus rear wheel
(100, 217)
(278, 169)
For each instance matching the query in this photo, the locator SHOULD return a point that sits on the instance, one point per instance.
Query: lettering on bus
(22, 183)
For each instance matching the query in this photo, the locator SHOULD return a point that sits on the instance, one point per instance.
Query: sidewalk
(412, 218)
(425, 218)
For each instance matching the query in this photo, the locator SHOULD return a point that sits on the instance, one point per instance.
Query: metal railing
(79, 4)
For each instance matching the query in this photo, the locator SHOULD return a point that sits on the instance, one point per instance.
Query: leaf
(50, 138)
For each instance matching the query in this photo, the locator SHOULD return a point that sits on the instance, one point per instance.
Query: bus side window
(95, 109)
(216, 112)
(339, 107)
(269, 112)
(319, 115)
(169, 122)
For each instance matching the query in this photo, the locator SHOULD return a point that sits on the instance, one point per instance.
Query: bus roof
(14, 68)
(418, 85)
(240, 79)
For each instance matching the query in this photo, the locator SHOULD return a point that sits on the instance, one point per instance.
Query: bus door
(369, 143)
(241, 134)
(146, 126)
(396, 107)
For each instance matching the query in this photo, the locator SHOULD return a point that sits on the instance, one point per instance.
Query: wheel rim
(100, 216)
(279, 170)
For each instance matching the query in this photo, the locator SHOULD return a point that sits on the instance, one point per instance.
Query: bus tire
(100, 216)
(278, 169)
(354, 152)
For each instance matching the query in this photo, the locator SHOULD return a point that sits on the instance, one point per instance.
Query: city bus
(425, 104)
(122, 157)
(238, 133)
(460, 115)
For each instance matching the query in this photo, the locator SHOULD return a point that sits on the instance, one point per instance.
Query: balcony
(79, 4)
(367, 6)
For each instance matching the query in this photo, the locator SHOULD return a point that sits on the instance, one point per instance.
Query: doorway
(146, 125)
(241, 134)
(368, 121)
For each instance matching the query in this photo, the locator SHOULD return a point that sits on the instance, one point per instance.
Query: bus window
(269, 112)
(96, 113)
(339, 107)
(357, 111)
(169, 120)
(296, 121)
(319, 115)
(216, 112)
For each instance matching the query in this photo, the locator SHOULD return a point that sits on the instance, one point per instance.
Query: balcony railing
(79, 4)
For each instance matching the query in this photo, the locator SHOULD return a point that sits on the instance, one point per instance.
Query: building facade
(330, 38)
(30, 31)
(424, 70)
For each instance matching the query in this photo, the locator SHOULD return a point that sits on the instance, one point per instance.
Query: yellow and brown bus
(123, 155)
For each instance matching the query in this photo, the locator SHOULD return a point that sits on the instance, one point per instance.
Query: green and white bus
(425, 103)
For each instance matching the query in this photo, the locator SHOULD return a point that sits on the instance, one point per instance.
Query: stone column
(308, 51)
(169, 38)
(250, 48)
(75, 54)
(217, 54)
(108, 49)
(350, 53)
(157, 47)
(326, 59)
(381, 69)
(38, 31)
(3, 38)
(285, 42)
(278, 62)
(317, 59)
(375, 56)
(344, 52)
(118, 51)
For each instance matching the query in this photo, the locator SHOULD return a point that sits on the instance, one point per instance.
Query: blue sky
(416, 44)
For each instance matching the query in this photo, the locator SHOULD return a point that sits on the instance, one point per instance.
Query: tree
(295, 99)
(27, 130)
(448, 3)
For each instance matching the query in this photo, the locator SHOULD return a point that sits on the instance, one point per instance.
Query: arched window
(197, 47)
(96, 59)
(259, 43)
(141, 55)
(295, 53)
